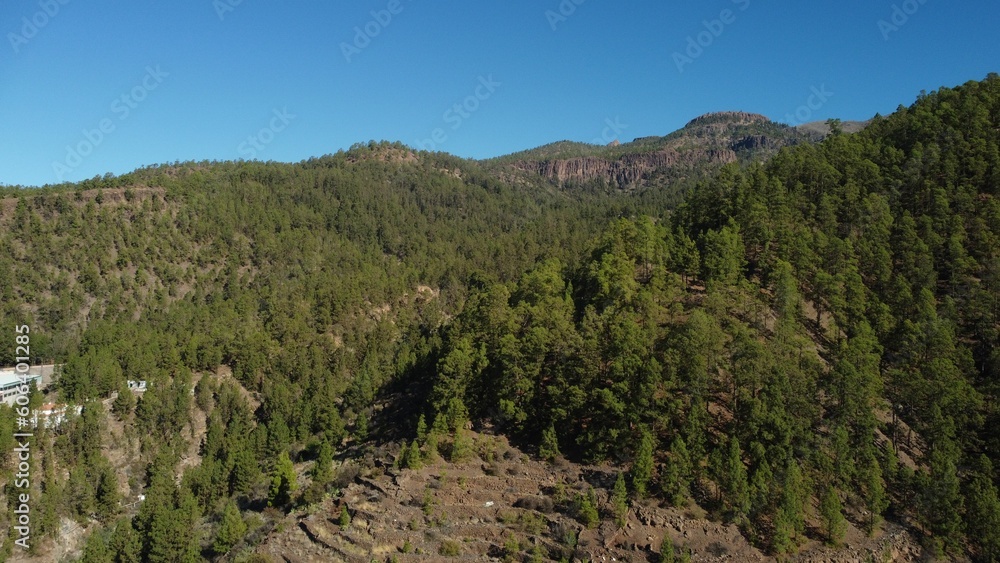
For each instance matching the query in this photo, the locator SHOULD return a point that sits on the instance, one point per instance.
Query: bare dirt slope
(513, 508)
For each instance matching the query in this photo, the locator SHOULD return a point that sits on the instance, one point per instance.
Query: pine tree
(124, 404)
(232, 528)
(461, 448)
(787, 300)
(549, 449)
(619, 500)
(125, 542)
(676, 477)
(283, 482)
(642, 467)
(361, 427)
(172, 535)
(421, 429)
(666, 549)
(873, 489)
(586, 511)
(724, 256)
(411, 458)
(106, 496)
(96, 549)
(322, 472)
(793, 502)
(941, 499)
(761, 491)
(782, 536)
(983, 512)
(843, 459)
(438, 430)
(80, 491)
(245, 470)
(731, 476)
(345, 517)
(831, 512)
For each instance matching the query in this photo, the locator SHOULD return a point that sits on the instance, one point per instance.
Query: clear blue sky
(270, 80)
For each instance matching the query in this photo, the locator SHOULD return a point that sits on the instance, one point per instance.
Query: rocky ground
(513, 508)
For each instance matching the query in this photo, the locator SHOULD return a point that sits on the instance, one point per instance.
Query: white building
(11, 384)
(52, 415)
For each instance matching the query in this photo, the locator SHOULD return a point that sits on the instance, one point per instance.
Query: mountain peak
(736, 117)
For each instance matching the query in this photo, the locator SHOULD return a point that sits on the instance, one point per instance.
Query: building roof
(9, 376)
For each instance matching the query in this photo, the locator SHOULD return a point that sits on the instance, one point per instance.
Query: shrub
(449, 548)
(541, 504)
(345, 517)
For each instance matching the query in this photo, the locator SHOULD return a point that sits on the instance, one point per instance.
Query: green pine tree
(794, 496)
(461, 448)
(361, 427)
(322, 472)
(941, 498)
(96, 549)
(549, 449)
(125, 542)
(619, 500)
(124, 404)
(232, 528)
(421, 429)
(667, 549)
(283, 482)
(831, 513)
(345, 517)
(983, 512)
(731, 475)
(586, 511)
(676, 477)
(411, 457)
(642, 467)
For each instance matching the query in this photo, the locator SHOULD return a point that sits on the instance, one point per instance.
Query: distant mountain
(704, 144)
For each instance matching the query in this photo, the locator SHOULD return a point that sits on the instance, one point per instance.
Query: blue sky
(89, 87)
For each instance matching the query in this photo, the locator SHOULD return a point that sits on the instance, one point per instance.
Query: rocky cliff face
(627, 171)
(757, 142)
(707, 141)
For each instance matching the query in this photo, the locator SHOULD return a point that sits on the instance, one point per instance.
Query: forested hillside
(761, 351)
(316, 283)
(805, 344)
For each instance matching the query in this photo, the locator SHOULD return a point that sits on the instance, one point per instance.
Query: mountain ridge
(705, 143)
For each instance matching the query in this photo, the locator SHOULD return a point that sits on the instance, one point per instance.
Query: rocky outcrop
(628, 170)
(757, 142)
(727, 118)
(705, 143)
